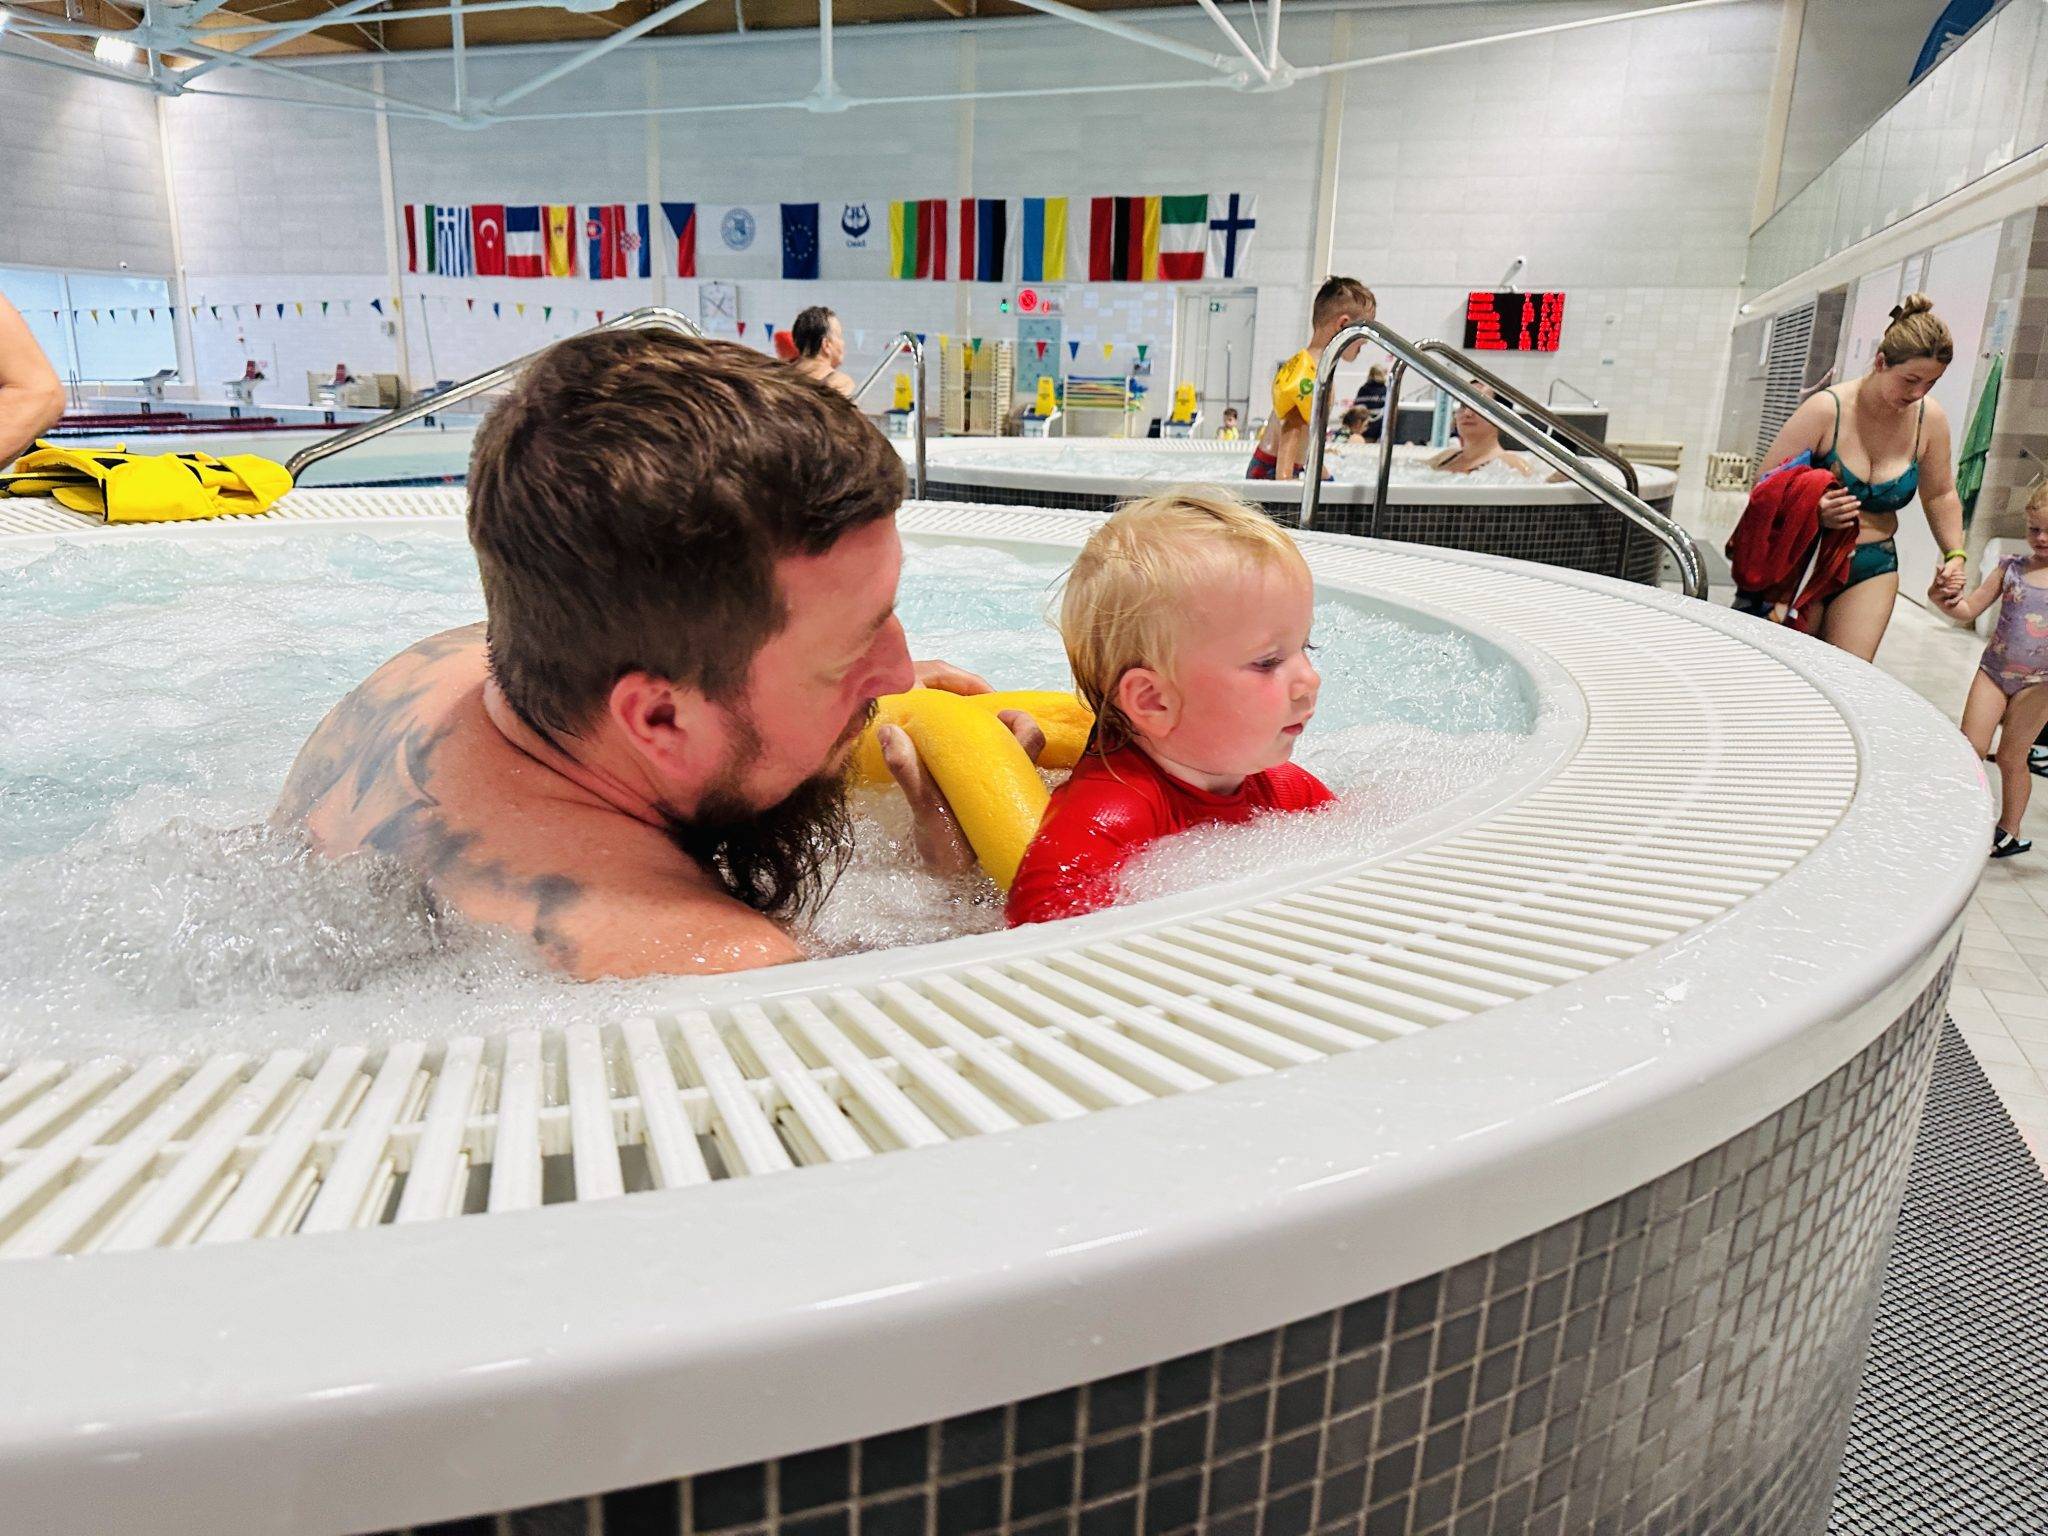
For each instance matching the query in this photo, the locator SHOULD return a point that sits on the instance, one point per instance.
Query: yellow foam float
(125, 487)
(988, 779)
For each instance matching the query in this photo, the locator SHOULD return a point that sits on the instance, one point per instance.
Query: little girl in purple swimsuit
(2007, 693)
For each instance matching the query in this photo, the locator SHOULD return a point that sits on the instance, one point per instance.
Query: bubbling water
(1349, 464)
(160, 689)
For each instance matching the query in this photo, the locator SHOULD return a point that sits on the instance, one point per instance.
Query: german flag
(1123, 240)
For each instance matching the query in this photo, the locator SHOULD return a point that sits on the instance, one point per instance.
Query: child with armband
(1281, 448)
(2009, 692)
(1186, 620)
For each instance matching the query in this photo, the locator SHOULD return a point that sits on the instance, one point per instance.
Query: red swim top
(1112, 807)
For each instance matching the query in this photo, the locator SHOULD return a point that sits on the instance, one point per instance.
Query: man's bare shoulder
(657, 922)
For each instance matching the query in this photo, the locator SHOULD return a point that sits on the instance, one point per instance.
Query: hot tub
(1493, 512)
(1536, 1173)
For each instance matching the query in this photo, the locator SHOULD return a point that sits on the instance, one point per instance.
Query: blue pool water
(158, 690)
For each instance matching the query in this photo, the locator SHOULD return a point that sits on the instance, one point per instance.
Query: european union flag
(800, 241)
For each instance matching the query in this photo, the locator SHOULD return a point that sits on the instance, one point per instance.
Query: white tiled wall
(1621, 161)
(83, 174)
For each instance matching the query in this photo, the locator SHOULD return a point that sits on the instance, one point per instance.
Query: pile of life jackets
(124, 487)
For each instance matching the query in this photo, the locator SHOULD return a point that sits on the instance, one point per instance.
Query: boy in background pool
(1339, 302)
(1229, 433)
(1186, 620)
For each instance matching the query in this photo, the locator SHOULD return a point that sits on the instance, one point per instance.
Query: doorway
(1213, 349)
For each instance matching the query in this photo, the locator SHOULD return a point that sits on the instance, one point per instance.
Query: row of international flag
(1185, 238)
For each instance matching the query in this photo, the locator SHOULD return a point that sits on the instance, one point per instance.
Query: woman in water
(1884, 441)
(1478, 443)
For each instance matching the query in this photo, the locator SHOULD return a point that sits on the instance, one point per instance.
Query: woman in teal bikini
(1886, 442)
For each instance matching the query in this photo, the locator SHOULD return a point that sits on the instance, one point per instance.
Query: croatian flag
(799, 241)
(682, 224)
(638, 242)
(523, 255)
(487, 238)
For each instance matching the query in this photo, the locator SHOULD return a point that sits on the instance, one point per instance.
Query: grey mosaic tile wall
(1577, 538)
(1681, 1359)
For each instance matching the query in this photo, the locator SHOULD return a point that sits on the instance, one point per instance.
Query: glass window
(130, 335)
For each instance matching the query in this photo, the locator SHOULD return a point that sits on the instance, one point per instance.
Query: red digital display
(1513, 322)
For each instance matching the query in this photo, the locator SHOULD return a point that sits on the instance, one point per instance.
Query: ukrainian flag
(1044, 240)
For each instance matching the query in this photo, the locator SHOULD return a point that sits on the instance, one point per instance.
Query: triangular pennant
(216, 310)
(298, 308)
(95, 317)
(1143, 348)
(743, 327)
(323, 306)
(1107, 348)
(152, 312)
(495, 308)
(547, 311)
(472, 305)
(519, 309)
(348, 306)
(1041, 347)
(377, 305)
(280, 311)
(600, 317)
(1074, 350)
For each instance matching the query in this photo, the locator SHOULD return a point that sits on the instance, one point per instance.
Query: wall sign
(1513, 322)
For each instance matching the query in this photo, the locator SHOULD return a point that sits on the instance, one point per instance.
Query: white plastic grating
(1652, 827)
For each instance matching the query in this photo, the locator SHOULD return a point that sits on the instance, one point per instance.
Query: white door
(1213, 350)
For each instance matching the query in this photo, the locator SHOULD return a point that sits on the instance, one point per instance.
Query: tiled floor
(2000, 1000)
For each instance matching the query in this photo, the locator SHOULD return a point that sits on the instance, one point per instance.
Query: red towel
(1780, 553)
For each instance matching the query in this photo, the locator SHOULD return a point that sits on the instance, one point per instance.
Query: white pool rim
(372, 1377)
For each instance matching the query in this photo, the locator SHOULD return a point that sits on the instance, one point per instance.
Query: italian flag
(1183, 238)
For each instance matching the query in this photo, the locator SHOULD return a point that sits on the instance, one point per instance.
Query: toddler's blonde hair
(2037, 502)
(1126, 596)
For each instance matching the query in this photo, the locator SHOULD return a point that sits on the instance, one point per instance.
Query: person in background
(821, 348)
(2009, 693)
(1372, 399)
(1885, 441)
(31, 395)
(1352, 429)
(1281, 447)
(1478, 443)
(1229, 434)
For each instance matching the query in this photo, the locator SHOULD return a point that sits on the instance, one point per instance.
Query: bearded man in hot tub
(689, 558)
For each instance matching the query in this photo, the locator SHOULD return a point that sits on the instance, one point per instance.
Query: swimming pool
(1494, 511)
(1504, 1156)
(150, 909)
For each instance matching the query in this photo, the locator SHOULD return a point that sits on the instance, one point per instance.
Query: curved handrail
(1548, 419)
(654, 315)
(1686, 553)
(911, 342)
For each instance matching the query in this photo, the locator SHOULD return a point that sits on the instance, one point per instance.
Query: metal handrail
(1691, 568)
(1548, 419)
(654, 315)
(911, 342)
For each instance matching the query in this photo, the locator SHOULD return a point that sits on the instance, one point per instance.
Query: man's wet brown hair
(1341, 296)
(627, 504)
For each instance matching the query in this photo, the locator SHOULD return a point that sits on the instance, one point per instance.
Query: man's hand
(944, 675)
(940, 842)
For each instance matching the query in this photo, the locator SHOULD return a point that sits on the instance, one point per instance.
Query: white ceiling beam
(212, 58)
(1237, 39)
(1097, 22)
(1435, 49)
(593, 53)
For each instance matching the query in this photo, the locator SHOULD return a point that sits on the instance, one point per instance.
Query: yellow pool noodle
(988, 779)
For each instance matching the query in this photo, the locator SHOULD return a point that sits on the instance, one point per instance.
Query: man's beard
(781, 860)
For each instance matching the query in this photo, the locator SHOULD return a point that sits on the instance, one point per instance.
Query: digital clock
(1513, 322)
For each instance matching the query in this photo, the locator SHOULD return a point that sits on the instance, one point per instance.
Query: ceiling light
(114, 50)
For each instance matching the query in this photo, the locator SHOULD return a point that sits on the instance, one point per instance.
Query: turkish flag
(487, 238)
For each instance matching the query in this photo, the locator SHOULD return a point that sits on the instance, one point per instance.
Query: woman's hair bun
(1914, 304)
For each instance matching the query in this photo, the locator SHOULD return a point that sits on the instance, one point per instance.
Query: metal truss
(170, 50)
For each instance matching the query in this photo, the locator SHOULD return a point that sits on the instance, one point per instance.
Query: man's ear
(664, 723)
(1148, 700)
